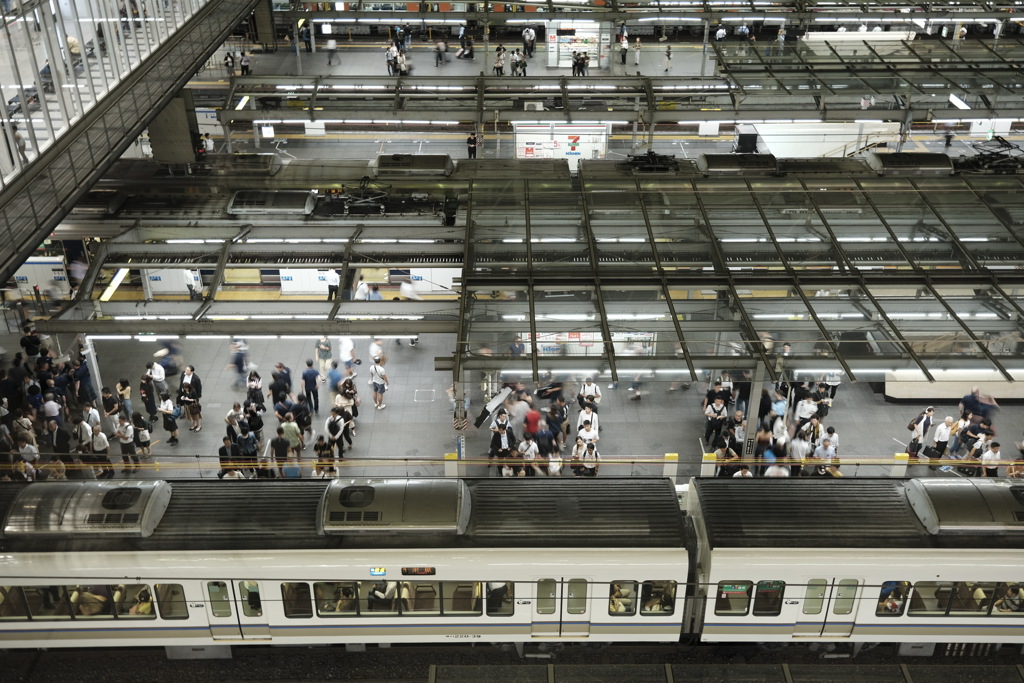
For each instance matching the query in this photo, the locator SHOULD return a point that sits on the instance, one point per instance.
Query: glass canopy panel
(781, 314)
(923, 321)
(617, 221)
(729, 209)
(849, 216)
(498, 211)
(979, 215)
(675, 219)
(920, 232)
(988, 315)
(798, 229)
(703, 314)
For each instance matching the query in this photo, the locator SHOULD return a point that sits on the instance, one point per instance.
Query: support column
(756, 384)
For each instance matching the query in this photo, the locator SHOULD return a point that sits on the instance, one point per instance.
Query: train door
(828, 608)
(235, 610)
(562, 608)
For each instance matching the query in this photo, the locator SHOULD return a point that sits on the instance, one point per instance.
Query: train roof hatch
(105, 508)
(354, 506)
(966, 506)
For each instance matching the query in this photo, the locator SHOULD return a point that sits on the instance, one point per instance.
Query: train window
(460, 597)
(930, 598)
(252, 601)
(500, 598)
(970, 598)
(846, 596)
(335, 598)
(421, 597)
(13, 605)
(892, 598)
(768, 598)
(622, 598)
(134, 601)
(378, 596)
(220, 599)
(297, 600)
(547, 596)
(658, 597)
(814, 596)
(170, 600)
(733, 598)
(577, 596)
(94, 601)
(1009, 600)
(47, 602)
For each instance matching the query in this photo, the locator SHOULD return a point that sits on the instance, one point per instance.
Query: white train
(442, 560)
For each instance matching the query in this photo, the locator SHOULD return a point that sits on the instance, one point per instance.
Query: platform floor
(412, 435)
(365, 58)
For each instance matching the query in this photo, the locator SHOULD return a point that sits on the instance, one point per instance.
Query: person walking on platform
(332, 51)
(471, 143)
(244, 62)
(229, 64)
(636, 51)
(666, 63)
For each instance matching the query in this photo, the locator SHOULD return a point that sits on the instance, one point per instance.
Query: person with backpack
(334, 427)
(247, 446)
(716, 415)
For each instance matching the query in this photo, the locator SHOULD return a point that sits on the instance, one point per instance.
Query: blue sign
(286, 278)
(417, 277)
(155, 278)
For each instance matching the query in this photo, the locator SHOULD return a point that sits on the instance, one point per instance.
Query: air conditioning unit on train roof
(359, 506)
(104, 508)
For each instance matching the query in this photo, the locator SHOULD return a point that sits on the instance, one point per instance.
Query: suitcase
(933, 455)
(460, 52)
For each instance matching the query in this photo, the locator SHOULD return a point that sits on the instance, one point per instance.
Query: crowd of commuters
(968, 441)
(53, 421)
(790, 435)
(536, 433)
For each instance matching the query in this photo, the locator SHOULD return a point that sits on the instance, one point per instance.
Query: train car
(272, 203)
(859, 560)
(194, 563)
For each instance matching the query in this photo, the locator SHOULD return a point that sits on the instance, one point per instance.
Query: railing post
(708, 464)
(671, 466)
(451, 465)
(899, 464)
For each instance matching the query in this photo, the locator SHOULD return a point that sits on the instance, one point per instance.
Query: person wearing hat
(591, 460)
(379, 382)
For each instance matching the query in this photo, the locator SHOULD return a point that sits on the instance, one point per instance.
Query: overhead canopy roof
(858, 272)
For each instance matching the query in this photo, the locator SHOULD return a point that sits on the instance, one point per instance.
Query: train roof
(341, 514)
(861, 513)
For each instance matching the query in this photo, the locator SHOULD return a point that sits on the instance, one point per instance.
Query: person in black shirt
(31, 342)
(279, 447)
(471, 143)
(716, 391)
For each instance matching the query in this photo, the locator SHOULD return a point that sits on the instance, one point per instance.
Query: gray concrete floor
(411, 436)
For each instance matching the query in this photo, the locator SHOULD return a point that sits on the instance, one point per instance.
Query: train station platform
(413, 434)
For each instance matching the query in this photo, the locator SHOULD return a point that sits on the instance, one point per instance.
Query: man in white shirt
(377, 348)
(333, 281)
(159, 376)
(825, 453)
(363, 289)
(588, 434)
(90, 415)
(591, 460)
(589, 389)
(777, 470)
(529, 450)
(991, 459)
(804, 410)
